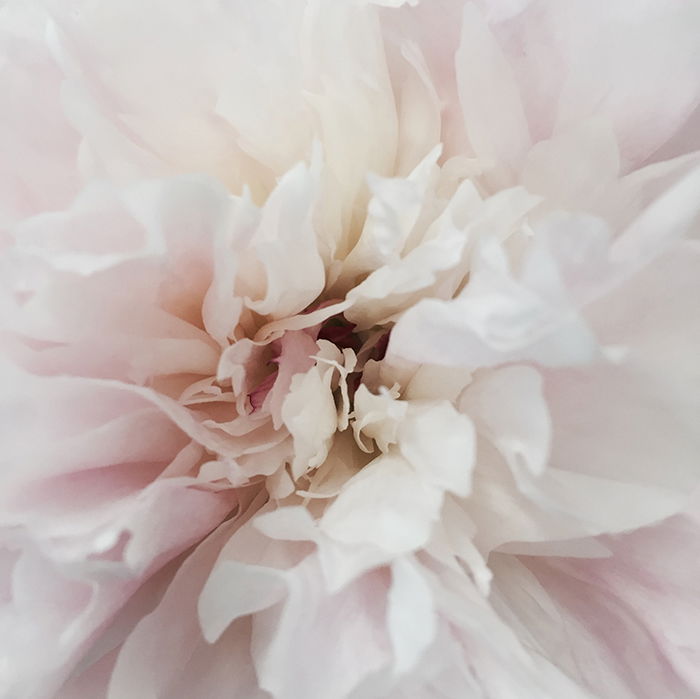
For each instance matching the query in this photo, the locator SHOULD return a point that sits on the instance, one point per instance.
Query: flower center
(295, 352)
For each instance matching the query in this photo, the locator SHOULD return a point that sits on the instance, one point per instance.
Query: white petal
(439, 443)
(496, 320)
(234, 590)
(411, 619)
(392, 213)
(309, 413)
(508, 407)
(386, 504)
(286, 247)
(376, 416)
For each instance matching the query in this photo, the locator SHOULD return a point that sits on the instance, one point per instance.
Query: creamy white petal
(410, 615)
(439, 443)
(386, 504)
(508, 406)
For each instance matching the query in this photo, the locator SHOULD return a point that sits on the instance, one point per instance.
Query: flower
(348, 349)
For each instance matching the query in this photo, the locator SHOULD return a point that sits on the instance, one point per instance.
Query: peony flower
(349, 349)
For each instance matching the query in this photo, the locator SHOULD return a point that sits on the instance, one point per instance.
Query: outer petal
(624, 625)
(179, 662)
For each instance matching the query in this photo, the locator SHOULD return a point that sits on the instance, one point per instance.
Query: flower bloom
(349, 349)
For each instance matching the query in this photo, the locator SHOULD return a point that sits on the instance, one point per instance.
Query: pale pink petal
(494, 116)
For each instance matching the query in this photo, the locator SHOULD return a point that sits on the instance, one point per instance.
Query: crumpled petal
(498, 319)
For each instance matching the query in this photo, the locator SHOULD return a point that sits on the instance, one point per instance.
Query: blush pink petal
(349, 349)
(182, 662)
(636, 598)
